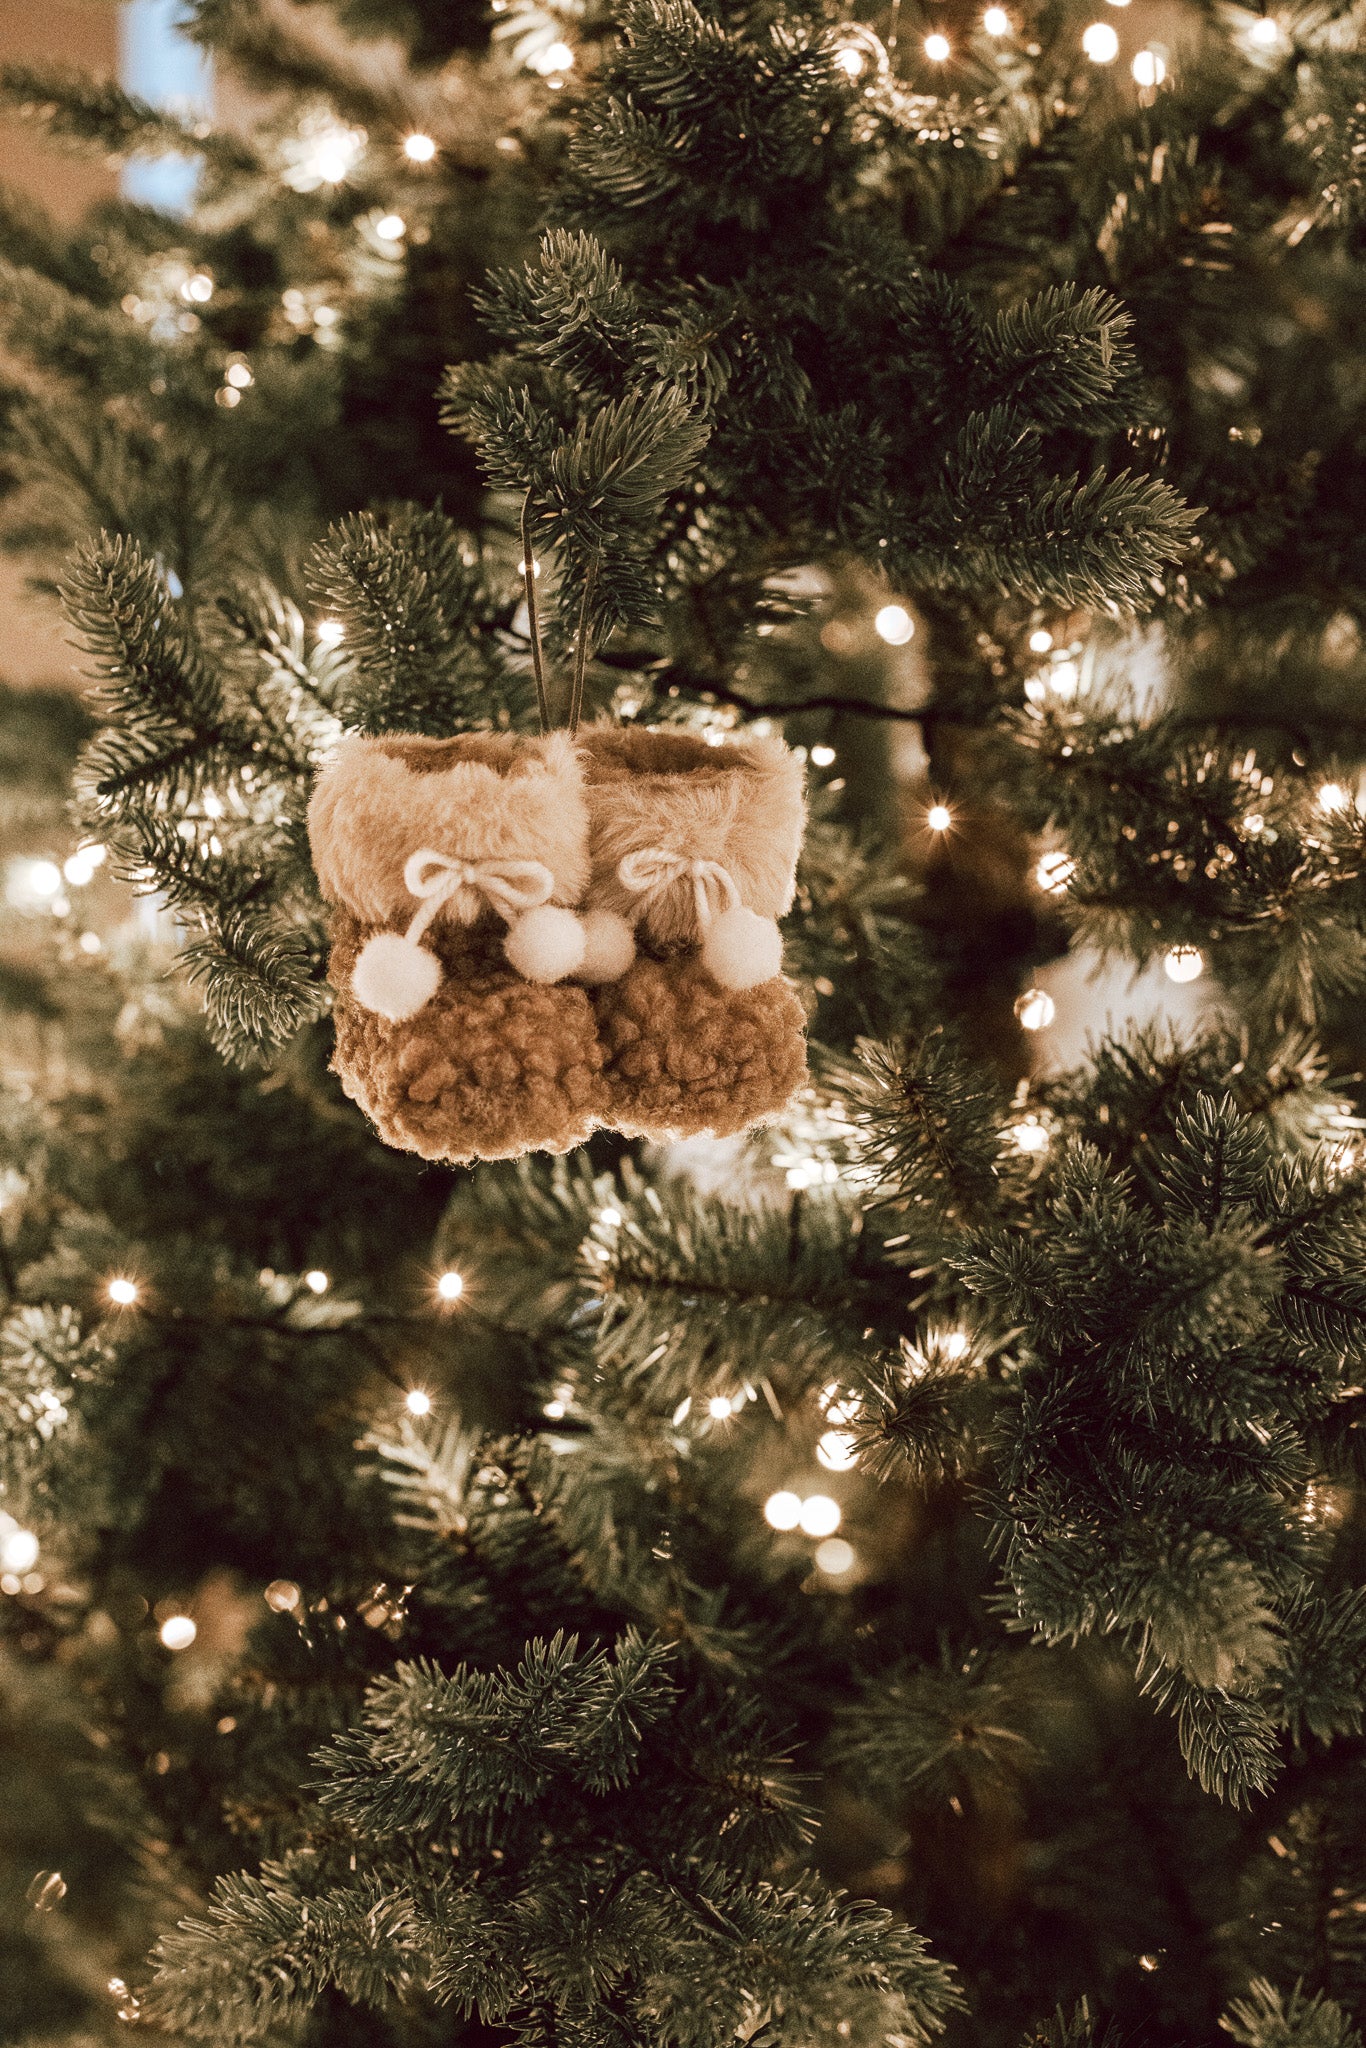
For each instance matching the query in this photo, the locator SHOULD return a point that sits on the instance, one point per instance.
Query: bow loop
(654, 870)
(465, 886)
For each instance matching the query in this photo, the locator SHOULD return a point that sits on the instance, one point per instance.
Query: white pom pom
(610, 946)
(742, 949)
(546, 944)
(395, 977)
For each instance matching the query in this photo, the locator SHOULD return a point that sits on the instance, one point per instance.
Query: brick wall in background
(33, 648)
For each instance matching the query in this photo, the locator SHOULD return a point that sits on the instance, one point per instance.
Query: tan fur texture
(478, 796)
(685, 1056)
(493, 1067)
(740, 804)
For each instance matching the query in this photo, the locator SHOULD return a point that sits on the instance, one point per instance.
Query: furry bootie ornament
(452, 866)
(694, 852)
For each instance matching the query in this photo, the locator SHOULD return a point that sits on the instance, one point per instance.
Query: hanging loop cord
(533, 619)
(656, 870)
(508, 886)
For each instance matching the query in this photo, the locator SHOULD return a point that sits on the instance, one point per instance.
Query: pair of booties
(533, 938)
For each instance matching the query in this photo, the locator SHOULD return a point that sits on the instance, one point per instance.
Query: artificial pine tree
(898, 1575)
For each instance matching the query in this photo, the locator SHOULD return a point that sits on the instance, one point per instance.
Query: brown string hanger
(534, 628)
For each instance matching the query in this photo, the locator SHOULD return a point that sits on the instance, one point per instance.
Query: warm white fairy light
(1029, 1135)
(820, 1516)
(450, 1286)
(836, 1451)
(939, 817)
(419, 149)
(835, 1557)
(996, 21)
(123, 1293)
(894, 623)
(331, 632)
(282, 1596)
(954, 1344)
(325, 151)
(199, 287)
(783, 1510)
(1100, 43)
(851, 61)
(317, 1281)
(1054, 871)
(391, 227)
(938, 48)
(90, 942)
(555, 57)
(42, 877)
(1333, 798)
(1183, 963)
(719, 1407)
(239, 376)
(1040, 640)
(1264, 32)
(418, 1401)
(611, 1217)
(821, 757)
(178, 1632)
(1149, 68)
(18, 1547)
(1036, 1009)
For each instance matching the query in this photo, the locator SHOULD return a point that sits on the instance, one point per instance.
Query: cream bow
(510, 886)
(656, 869)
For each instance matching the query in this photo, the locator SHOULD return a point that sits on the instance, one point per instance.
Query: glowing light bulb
(894, 623)
(851, 62)
(1149, 68)
(1184, 963)
(835, 1556)
(199, 288)
(938, 48)
(611, 1217)
(1265, 32)
(123, 1292)
(282, 1596)
(18, 1550)
(1333, 798)
(317, 1281)
(331, 632)
(391, 227)
(1029, 1136)
(558, 57)
(719, 1407)
(939, 817)
(89, 942)
(955, 1344)
(417, 1402)
(996, 21)
(783, 1510)
(44, 877)
(1035, 1009)
(178, 1632)
(836, 1451)
(1100, 43)
(822, 756)
(1040, 640)
(419, 149)
(1054, 871)
(450, 1286)
(820, 1516)
(239, 376)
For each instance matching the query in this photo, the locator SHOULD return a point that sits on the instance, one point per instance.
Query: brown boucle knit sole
(492, 1067)
(686, 1056)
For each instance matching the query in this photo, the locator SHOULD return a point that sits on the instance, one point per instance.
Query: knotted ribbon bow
(654, 870)
(509, 886)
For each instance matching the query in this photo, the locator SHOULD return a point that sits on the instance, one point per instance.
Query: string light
(1040, 640)
(835, 1556)
(996, 21)
(282, 1596)
(178, 1632)
(955, 1344)
(89, 942)
(836, 1451)
(1029, 1136)
(1333, 798)
(1149, 68)
(556, 57)
(820, 1516)
(821, 757)
(18, 1548)
(123, 1293)
(1035, 1009)
(317, 1281)
(1100, 43)
(938, 48)
(939, 817)
(1054, 871)
(199, 287)
(450, 1286)
(719, 1407)
(894, 623)
(417, 1402)
(239, 376)
(1264, 32)
(851, 62)
(80, 868)
(419, 149)
(391, 227)
(331, 632)
(783, 1510)
(323, 152)
(1184, 963)
(43, 877)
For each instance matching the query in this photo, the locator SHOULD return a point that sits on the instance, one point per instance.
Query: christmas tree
(893, 1573)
